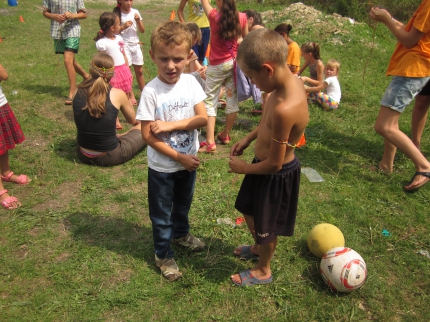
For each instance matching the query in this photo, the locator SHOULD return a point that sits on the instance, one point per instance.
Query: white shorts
(134, 54)
(215, 76)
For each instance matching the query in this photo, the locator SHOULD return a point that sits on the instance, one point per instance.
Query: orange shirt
(294, 54)
(414, 62)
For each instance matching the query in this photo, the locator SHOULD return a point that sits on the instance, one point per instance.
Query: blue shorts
(401, 91)
(200, 49)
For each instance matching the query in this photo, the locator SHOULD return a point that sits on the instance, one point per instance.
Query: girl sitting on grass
(331, 98)
(311, 55)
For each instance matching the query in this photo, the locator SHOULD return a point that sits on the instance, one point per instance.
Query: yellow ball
(324, 237)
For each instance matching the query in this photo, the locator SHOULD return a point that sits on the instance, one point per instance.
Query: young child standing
(131, 22)
(311, 55)
(110, 42)
(331, 98)
(65, 30)
(269, 193)
(227, 26)
(171, 109)
(10, 135)
(410, 67)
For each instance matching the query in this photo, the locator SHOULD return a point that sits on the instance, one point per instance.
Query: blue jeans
(169, 196)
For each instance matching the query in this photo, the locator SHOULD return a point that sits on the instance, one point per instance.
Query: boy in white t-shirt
(171, 109)
(131, 23)
(331, 98)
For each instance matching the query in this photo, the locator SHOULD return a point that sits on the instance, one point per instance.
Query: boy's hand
(238, 147)
(189, 162)
(236, 165)
(68, 15)
(60, 18)
(160, 126)
(136, 17)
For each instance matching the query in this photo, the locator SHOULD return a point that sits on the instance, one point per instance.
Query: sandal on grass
(419, 185)
(189, 241)
(169, 269)
(246, 254)
(68, 101)
(224, 140)
(207, 148)
(22, 178)
(247, 279)
(10, 202)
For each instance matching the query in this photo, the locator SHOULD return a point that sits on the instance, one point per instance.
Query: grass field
(80, 248)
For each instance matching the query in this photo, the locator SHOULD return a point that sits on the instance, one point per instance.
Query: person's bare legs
(254, 248)
(210, 130)
(72, 67)
(229, 122)
(387, 126)
(138, 70)
(419, 118)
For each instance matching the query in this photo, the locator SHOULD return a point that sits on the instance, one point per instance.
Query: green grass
(80, 248)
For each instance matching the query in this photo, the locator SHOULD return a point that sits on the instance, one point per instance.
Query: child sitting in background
(311, 55)
(331, 98)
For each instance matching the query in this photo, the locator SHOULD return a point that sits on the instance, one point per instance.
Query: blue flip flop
(247, 279)
(246, 254)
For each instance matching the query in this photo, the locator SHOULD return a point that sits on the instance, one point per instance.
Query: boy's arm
(79, 15)
(3, 73)
(181, 10)
(282, 122)
(195, 122)
(189, 162)
(407, 38)
(242, 144)
(51, 16)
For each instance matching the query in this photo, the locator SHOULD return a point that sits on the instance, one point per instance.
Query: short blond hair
(333, 63)
(262, 46)
(171, 33)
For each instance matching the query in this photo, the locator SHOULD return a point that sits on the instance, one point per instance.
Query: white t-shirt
(112, 47)
(3, 99)
(161, 101)
(333, 88)
(130, 34)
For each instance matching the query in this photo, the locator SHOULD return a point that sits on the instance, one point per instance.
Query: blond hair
(96, 87)
(262, 46)
(333, 63)
(171, 33)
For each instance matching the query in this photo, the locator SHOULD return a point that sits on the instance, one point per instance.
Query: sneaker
(191, 242)
(168, 267)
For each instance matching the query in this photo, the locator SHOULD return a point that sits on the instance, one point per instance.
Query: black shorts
(425, 90)
(272, 200)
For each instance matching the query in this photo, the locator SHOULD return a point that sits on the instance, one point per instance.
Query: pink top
(219, 51)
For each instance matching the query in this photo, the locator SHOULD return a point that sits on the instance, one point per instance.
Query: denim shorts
(401, 91)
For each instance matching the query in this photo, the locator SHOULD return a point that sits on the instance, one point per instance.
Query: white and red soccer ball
(343, 269)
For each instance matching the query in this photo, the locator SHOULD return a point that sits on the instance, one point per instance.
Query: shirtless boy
(269, 193)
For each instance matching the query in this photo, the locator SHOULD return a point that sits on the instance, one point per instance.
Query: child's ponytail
(106, 20)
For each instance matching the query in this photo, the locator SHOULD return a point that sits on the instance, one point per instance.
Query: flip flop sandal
(68, 101)
(22, 178)
(246, 254)
(416, 187)
(207, 148)
(224, 140)
(10, 202)
(247, 279)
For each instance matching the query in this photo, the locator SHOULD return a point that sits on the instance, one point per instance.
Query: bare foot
(255, 273)
(253, 250)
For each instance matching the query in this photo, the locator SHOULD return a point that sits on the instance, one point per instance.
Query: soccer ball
(343, 269)
(324, 237)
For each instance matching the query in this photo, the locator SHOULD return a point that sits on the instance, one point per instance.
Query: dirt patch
(65, 192)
